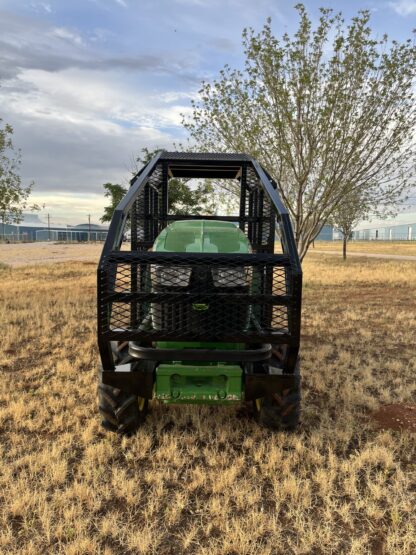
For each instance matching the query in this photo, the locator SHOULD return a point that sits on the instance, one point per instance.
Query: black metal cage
(148, 296)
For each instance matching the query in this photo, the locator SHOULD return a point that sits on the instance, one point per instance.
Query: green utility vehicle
(200, 309)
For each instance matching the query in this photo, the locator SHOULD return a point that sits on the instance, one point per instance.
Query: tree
(115, 193)
(325, 125)
(347, 215)
(353, 209)
(183, 199)
(13, 195)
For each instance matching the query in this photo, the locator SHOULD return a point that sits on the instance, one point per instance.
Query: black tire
(122, 412)
(280, 411)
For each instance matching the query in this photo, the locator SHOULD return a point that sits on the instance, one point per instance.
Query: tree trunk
(344, 248)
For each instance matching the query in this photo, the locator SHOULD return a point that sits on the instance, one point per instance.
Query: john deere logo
(200, 306)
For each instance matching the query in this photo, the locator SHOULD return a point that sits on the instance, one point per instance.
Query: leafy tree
(353, 209)
(13, 195)
(347, 215)
(182, 198)
(115, 193)
(325, 124)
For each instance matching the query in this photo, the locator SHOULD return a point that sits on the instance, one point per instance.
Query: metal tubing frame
(202, 162)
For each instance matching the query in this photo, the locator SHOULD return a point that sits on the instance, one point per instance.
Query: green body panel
(202, 236)
(199, 382)
(205, 383)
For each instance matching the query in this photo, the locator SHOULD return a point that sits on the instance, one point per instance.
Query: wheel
(122, 412)
(280, 411)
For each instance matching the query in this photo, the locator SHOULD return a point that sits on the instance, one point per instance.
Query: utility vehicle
(199, 309)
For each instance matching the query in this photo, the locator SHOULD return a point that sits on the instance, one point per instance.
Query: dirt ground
(21, 254)
(396, 417)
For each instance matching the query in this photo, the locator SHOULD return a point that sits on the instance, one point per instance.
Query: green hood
(202, 236)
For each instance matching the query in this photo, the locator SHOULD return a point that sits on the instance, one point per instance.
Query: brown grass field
(407, 248)
(23, 254)
(208, 480)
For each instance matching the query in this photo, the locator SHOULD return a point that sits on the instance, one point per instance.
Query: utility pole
(89, 228)
(49, 228)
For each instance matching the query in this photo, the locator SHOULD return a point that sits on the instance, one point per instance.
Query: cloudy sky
(87, 83)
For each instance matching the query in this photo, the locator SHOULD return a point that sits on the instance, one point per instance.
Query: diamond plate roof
(206, 156)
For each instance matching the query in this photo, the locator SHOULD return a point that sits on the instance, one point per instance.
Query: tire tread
(120, 410)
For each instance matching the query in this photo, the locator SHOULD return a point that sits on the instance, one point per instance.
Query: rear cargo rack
(148, 297)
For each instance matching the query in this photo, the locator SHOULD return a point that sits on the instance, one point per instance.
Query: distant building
(32, 228)
(326, 233)
(400, 228)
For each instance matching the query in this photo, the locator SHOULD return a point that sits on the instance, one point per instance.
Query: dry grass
(372, 247)
(208, 480)
(22, 254)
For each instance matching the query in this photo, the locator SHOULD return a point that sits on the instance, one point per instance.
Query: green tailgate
(207, 383)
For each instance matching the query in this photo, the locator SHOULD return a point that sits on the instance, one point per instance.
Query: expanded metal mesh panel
(266, 237)
(149, 215)
(259, 214)
(147, 210)
(253, 182)
(197, 297)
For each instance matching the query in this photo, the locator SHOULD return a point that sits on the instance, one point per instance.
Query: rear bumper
(263, 353)
(139, 379)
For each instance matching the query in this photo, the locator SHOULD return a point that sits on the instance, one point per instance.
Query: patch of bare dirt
(396, 417)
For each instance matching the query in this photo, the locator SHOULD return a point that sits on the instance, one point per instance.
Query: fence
(389, 233)
(68, 235)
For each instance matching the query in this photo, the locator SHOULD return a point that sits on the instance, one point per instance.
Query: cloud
(65, 34)
(92, 99)
(80, 114)
(29, 44)
(76, 158)
(223, 44)
(69, 208)
(121, 3)
(41, 7)
(404, 7)
(198, 3)
(84, 99)
(78, 129)
(174, 96)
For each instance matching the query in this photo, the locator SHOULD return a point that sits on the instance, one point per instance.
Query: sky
(86, 84)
